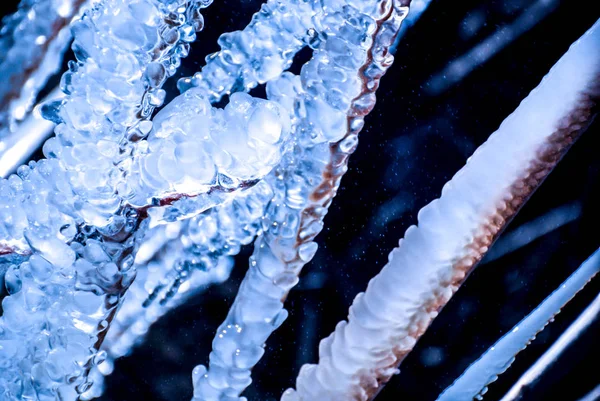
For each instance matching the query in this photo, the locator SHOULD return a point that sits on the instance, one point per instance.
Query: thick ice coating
(194, 146)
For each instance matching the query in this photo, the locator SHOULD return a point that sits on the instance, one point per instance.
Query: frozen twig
(473, 383)
(32, 43)
(351, 53)
(454, 232)
(550, 357)
(458, 69)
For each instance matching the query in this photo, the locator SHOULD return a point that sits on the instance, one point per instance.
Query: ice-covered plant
(134, 209)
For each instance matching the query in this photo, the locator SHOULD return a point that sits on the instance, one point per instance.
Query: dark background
(413, 142)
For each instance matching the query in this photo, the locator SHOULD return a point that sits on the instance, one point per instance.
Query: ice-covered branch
(178, 260)
(258, 53)
(462, 66)
(329, 101)
(177, 251)
(550, 357)
(454, 232)
(480, 374)
(32, 44)
(68, 213)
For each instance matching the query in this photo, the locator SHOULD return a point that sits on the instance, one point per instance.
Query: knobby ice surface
(413, 144)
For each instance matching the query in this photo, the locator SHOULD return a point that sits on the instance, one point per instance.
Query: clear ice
(66, 229)
(473, 383)
(134, 211)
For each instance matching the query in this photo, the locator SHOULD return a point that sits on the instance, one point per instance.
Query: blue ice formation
(328, 102)
(65, 229)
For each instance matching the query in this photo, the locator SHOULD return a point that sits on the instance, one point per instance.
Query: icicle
(473, 383)
(454, 232)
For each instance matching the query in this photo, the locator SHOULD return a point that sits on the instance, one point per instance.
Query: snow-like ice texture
(454, 232)
(473, 383)
(65, 228)
(258, 53)
(32, 44)
(329, 101)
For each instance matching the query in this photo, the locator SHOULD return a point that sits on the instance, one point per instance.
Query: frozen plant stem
(65, 229)
(32, 43)
(473, 383)
(351, 54)
(458, 69)
(552, 355)
(173, 253)
(454, 232)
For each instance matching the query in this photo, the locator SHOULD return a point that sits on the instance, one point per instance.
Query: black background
(412, 144)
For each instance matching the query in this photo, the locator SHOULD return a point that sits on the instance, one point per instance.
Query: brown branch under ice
(454, 233)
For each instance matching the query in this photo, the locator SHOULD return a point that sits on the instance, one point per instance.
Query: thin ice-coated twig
(593, 395)
(454, 232)
(550, 357)
(530, 231)
(133, 321)
(480, 374)
(458, 69)
(277, 32)
(32, 43)
(17, 148)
